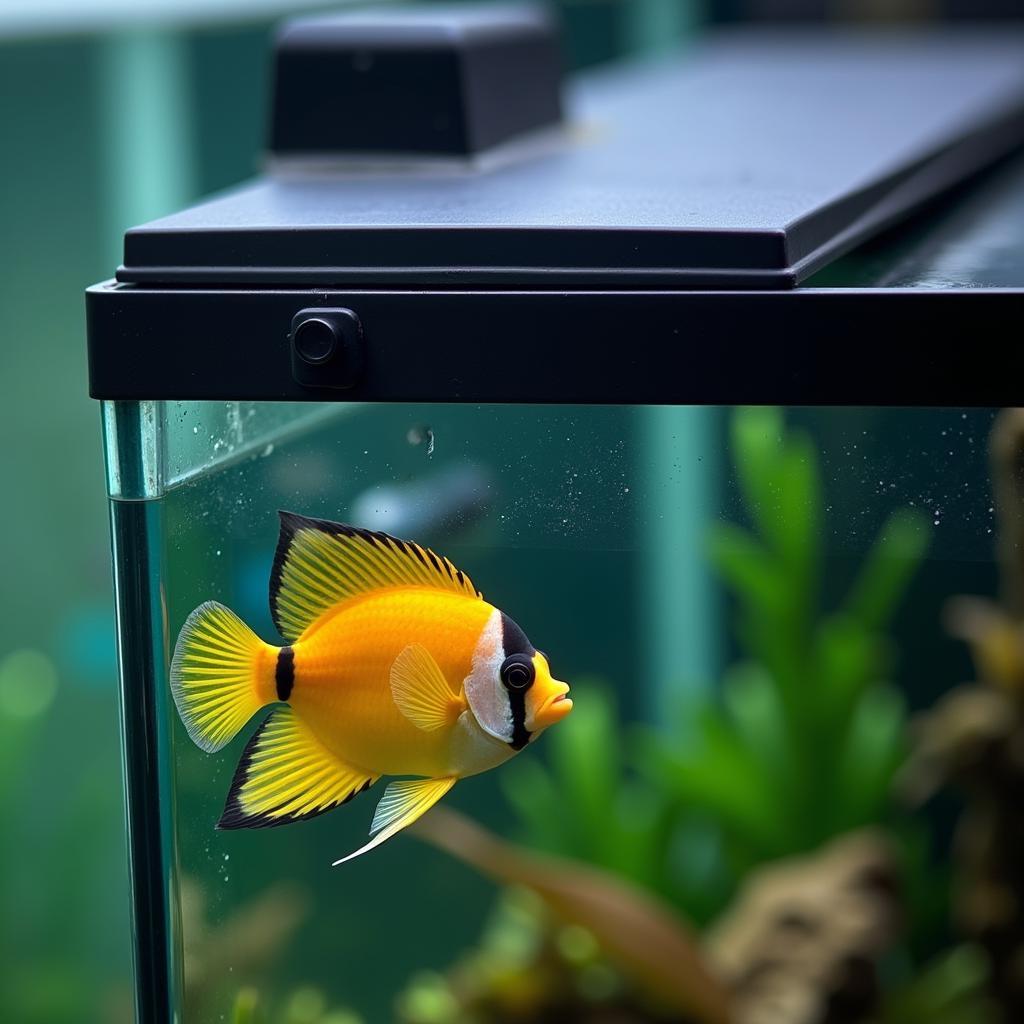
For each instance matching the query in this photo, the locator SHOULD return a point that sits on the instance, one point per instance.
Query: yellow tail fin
(218, 675)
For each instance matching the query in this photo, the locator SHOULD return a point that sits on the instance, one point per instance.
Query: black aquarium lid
(749, 162)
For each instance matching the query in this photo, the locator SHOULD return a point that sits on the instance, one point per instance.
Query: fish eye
(517, 672)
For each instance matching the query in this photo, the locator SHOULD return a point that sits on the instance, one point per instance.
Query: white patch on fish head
(487, 697)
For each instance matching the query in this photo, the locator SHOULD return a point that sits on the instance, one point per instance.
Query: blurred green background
(111, 114)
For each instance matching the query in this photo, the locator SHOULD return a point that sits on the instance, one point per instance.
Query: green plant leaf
(757, 437)
(796, 527)
(846, 661)
(951, 990)
(245, 1009)
(873, 749)
(888, 569)
(583, 805)
(585, 757)
(721, 778)
(534, 796)
(778, 474)
(748, 568)
(751, 700)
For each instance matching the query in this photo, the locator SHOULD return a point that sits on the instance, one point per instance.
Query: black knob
(315, 340)
(327, 348)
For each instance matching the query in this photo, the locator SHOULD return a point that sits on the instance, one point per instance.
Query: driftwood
(799, 945)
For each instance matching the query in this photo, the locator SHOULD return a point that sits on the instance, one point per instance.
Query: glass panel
(748, 605)
(154, 446)
(973, 238)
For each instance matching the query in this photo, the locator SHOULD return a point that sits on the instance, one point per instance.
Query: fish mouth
(555, 708)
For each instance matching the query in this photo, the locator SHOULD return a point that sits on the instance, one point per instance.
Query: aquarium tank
(567, 537)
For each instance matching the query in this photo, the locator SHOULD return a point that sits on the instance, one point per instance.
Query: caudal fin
(218, 674)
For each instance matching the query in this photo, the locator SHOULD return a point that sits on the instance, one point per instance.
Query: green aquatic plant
(952, 989)
(306, 1005)
(801, 741)
(592, 809)
(528, 966)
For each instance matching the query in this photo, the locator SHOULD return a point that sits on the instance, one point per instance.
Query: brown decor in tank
(799, 945)
(973, 740)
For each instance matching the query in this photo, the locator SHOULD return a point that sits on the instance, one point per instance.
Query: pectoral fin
(402, 803)
(421, 691)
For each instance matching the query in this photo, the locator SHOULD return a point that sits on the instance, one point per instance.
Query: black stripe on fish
(517, 704)
(513, 639)
(284, 673)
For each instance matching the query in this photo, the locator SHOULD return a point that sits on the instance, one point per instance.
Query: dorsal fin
(319, 563)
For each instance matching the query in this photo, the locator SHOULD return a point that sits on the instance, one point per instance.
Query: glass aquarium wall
(785, 788)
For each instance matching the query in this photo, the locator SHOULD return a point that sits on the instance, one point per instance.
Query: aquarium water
(779, 564)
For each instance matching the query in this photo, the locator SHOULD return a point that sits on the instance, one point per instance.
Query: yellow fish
(395, 665)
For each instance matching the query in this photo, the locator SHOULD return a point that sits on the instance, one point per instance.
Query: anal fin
(286, 774)
(402, 803)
